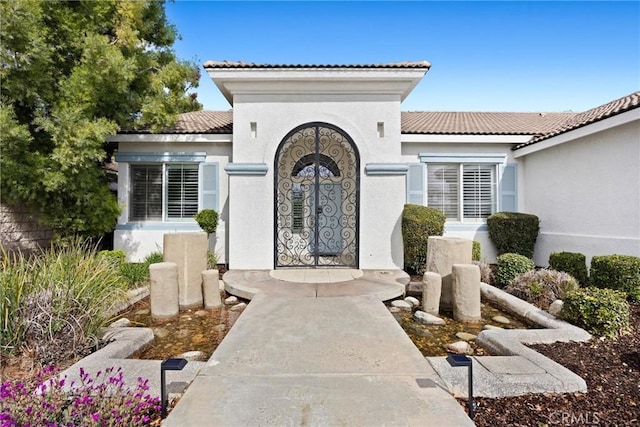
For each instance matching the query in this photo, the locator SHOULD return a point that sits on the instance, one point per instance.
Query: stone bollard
(189, 252)
(163, 278)
(211, 289)
(442, 253)
(466, 292)
(431, 289)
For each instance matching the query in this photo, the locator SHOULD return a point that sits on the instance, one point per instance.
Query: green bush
(476, 252)
(207, 219)
(153, 258)
(570, 262)
(514, 232)
(418, 223)
(510, 266)
(117, 256)
(603, 312)
(621, 272)
(134, 273)
(542, 287)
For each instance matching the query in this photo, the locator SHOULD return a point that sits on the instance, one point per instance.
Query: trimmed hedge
(514, 232)
(476, 251)
(570, 262)
(603, 312)
(621, 272)
(510, 266)
(207, 219)
(418, 223)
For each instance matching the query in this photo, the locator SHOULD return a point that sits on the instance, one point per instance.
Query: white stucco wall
(586, 193)
(251, 241)
(140, 239)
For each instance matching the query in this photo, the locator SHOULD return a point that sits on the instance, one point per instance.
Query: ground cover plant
(104, 400)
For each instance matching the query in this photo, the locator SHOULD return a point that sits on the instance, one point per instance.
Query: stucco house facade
(313, 164)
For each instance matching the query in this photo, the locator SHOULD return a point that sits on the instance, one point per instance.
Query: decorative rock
(189, 252)
(501, 319)
(413, 301)
(395, 309)
(492, 328)
(442, 253)
(201, 313)
(555, 307)
(211, 289)
(193, 355)
(418, 331)
(120, 323)
(231, 300)
(401, 304)
(164, 293)
(160, 333)
(220, 328)
(466, 292)
(427, 319)
(466, 336)
(459, 347)
(431, 290)
(239, 306)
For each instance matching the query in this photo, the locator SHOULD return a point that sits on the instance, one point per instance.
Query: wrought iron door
(317, 179)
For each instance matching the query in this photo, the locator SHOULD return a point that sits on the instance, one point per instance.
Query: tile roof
(201, 122)
(480, 123)
(240, 64)
(596, 114)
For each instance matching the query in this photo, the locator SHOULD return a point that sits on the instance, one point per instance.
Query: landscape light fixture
(172, 364)
(460, 360)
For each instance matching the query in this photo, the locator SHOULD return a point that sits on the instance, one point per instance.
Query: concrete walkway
(291, 361)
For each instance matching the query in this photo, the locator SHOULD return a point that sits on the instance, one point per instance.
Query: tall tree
(71, 74)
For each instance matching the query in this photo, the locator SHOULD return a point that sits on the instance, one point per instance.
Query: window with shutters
(172, 191)
(465, 193)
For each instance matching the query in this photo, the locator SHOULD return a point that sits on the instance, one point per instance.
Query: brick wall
(19, 230)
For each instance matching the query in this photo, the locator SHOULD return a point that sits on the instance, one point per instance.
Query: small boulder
(402, 305)
(201, 313)
(220, 328)
(413, 301)
(555, 307)
(427, 319)
(120, 323)
(231, 300)
(239, 306)
(160, 333)
(395, 309)
(492, 328)
(501, 319)
(466, 336)
(193, 355)
(459, 347)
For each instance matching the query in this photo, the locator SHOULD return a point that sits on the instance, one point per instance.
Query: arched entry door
(317, 185)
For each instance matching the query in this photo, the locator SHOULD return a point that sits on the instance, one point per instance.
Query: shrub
(514, 232)
(207, 219)
(486, 272)
(603, 312)
(55, 303)
(621, 272)
(542, 287)
(153, 258)
(212, 260)
(476, 251)
(570, 262)
(134, 273)
(117, 256)
(510, 266)
(100, 401)
(418, 223)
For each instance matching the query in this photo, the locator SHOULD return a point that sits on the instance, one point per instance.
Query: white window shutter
(209, 186)
(509, 188)
(415, 184)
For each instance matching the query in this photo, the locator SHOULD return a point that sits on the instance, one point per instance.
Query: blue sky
(485, 56)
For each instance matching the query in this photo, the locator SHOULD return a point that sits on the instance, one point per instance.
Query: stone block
(211, 289)
(442, 253)
(431, 291)
(189, 252)
(466, 292)
(163, 278)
